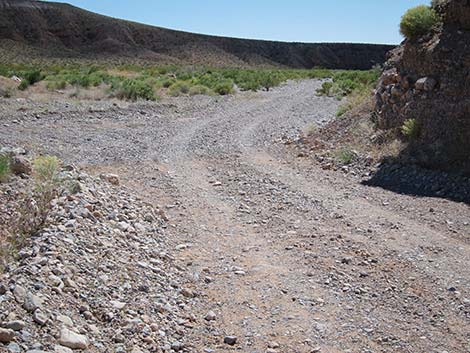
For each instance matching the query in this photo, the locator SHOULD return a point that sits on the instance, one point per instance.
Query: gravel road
(285, 256)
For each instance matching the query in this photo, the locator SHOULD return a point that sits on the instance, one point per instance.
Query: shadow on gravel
(416, 181)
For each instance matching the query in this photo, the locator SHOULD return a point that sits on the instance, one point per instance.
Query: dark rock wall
(429, 80)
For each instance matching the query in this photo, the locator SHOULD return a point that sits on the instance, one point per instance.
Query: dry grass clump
(25, 205)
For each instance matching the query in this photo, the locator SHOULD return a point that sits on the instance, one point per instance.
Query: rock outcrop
(428, 80)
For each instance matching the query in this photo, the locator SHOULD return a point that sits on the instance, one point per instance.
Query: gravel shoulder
(282, 254)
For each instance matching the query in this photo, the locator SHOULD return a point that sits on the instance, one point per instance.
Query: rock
(20, 294)
(6, 335)
(40, 317)
(20, 165)
(113, 179)
(65, 320)
(62, 349)
(32, 302)
(36, 351)
(14, 348)
(118, 305)
(73, 340)
(188, 293)
(16, 325)
(210, 316)
(177, 346)
(3, 289)
(230, 340)
(425, 84)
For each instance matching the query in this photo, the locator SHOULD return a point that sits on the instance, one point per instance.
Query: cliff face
(63, 31)
(428, 80)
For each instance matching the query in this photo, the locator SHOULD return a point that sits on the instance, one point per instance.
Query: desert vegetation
(28, 201)
(419, 21)
(356, 86)
(130, 82)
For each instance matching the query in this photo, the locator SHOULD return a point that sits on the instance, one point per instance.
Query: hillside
(37, 29)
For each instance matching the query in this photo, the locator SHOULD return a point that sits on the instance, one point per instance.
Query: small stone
(16, 325)
(230, 340)
(6, 335)
(20, 294)
(73, 340)
(62, 349)
(211, 316)
(118, 305)
(40, 317)
(32, 302)
(20, 165)
(273, 345)
(113, 179)
(3, 289)
(14, 348)
(177, 346)
(188, 293)
(65, 320)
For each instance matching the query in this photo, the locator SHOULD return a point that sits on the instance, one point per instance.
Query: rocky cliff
(427, 81)
(54, 30)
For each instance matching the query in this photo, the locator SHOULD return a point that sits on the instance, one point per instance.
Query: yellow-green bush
(418, 21)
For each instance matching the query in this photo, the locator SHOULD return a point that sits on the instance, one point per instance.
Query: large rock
(6, 335)
(73, 340)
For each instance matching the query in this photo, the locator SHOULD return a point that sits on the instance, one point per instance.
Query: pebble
(230, 340)
(210, 316)
(6, 335)
(73, 340)
(16, 325)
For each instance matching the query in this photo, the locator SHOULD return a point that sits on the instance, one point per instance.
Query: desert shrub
(223, 88)
(325, 89)
(6, 92)
(178, 88)
(33, 76)
(24, 84)
(4, 168)
(134, 89)
(410, 129)
(418, 21)
(166, 83)
(46, 170)
(199, 89)
(345, 156)
(270, 79)
(56, 85)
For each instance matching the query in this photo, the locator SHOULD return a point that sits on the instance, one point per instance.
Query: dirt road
(289, 257)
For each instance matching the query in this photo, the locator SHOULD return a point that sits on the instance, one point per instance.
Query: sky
(355, 21)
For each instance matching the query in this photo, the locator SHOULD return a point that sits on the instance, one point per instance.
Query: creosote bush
(418, 21)
(410, 129)
(4, 168)
(134, 89)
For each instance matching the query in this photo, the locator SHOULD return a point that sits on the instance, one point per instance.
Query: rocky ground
(263, 250)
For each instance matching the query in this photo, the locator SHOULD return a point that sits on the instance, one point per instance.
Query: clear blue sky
(371, 21)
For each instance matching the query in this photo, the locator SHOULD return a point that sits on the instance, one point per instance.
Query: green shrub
(178, 88)
(418, 21)
(6, 92)
(56, 85)
(411, 129)
(224, 88)
(345, 156)
(134, 89)
(46, 169)
(325, 89)
(199, 89)
(24, 85)
(4, 168)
